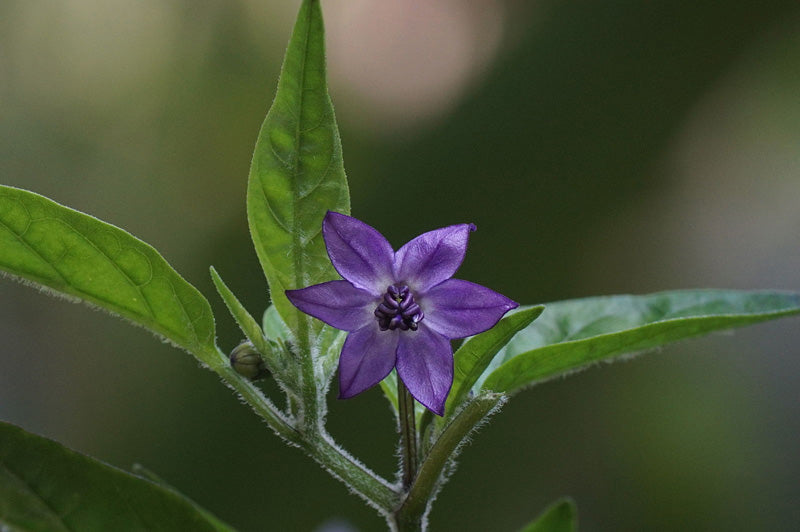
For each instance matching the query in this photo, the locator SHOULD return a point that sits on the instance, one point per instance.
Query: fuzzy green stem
(408, 434)
(372, 487)
(310, 409)
(262, 406)
(411, 514)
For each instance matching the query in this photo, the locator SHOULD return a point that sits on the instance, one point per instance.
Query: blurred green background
(600, 147)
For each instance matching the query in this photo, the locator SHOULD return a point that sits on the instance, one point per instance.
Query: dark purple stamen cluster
(398, 310)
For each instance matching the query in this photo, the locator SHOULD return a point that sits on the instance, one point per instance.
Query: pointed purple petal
(425, 363)
(337, 303)
(358, 252)
(432, 257)
(457, 309)
(368, 355)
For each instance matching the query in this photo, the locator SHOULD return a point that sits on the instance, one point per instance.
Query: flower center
(398, 310)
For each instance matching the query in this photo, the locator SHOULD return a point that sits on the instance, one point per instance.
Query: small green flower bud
(247, 362)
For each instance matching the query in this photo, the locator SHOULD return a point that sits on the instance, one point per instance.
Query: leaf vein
(319, 182)
(280, 222)
(36, 252)
(280, 159)
(124, 274)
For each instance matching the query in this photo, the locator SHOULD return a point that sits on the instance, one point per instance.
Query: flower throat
(398, 310)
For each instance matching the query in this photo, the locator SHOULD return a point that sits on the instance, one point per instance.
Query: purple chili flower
(401, 308)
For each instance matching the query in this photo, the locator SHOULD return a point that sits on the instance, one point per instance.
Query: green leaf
(297, 173)
(46, 487)
(283, 370)
(273, 324)
(389, 387)
(475, 354)
(561, 516)
(76, 255)
(329, 340)
(140, 471)
(571, 335)
(246, 322)
(471, 359)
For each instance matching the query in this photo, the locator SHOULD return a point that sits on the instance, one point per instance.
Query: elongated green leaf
(475, 354)
(76, 255)
(573, 334)
(561, 516)
(297, 173)
(46, 487)
(471, 359)
(247, 323)
(271, 352)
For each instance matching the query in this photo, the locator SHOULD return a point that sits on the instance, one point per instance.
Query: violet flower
(401, 309)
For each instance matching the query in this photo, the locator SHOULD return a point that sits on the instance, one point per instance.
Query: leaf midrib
(298, 144)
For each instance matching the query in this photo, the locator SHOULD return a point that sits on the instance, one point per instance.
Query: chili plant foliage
(392, 310)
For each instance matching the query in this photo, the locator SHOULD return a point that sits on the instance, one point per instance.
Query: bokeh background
(600, 147)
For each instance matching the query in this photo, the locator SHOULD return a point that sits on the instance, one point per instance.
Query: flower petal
(457, 309)
(358, 252)
(425, 363)
(432, 257)
(368, 355)
(337, 303)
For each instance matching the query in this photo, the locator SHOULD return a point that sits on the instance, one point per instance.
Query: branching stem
(411, 515)
(371, 486)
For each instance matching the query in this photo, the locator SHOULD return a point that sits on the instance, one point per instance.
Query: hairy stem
(310, 410)
(359, 478)
(368, 484)
(412, 513)
(262, 406)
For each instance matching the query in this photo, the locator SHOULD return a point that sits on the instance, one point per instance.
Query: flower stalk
(412, 513)
(408, 434)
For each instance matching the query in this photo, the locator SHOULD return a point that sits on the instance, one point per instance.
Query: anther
(398, 310)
